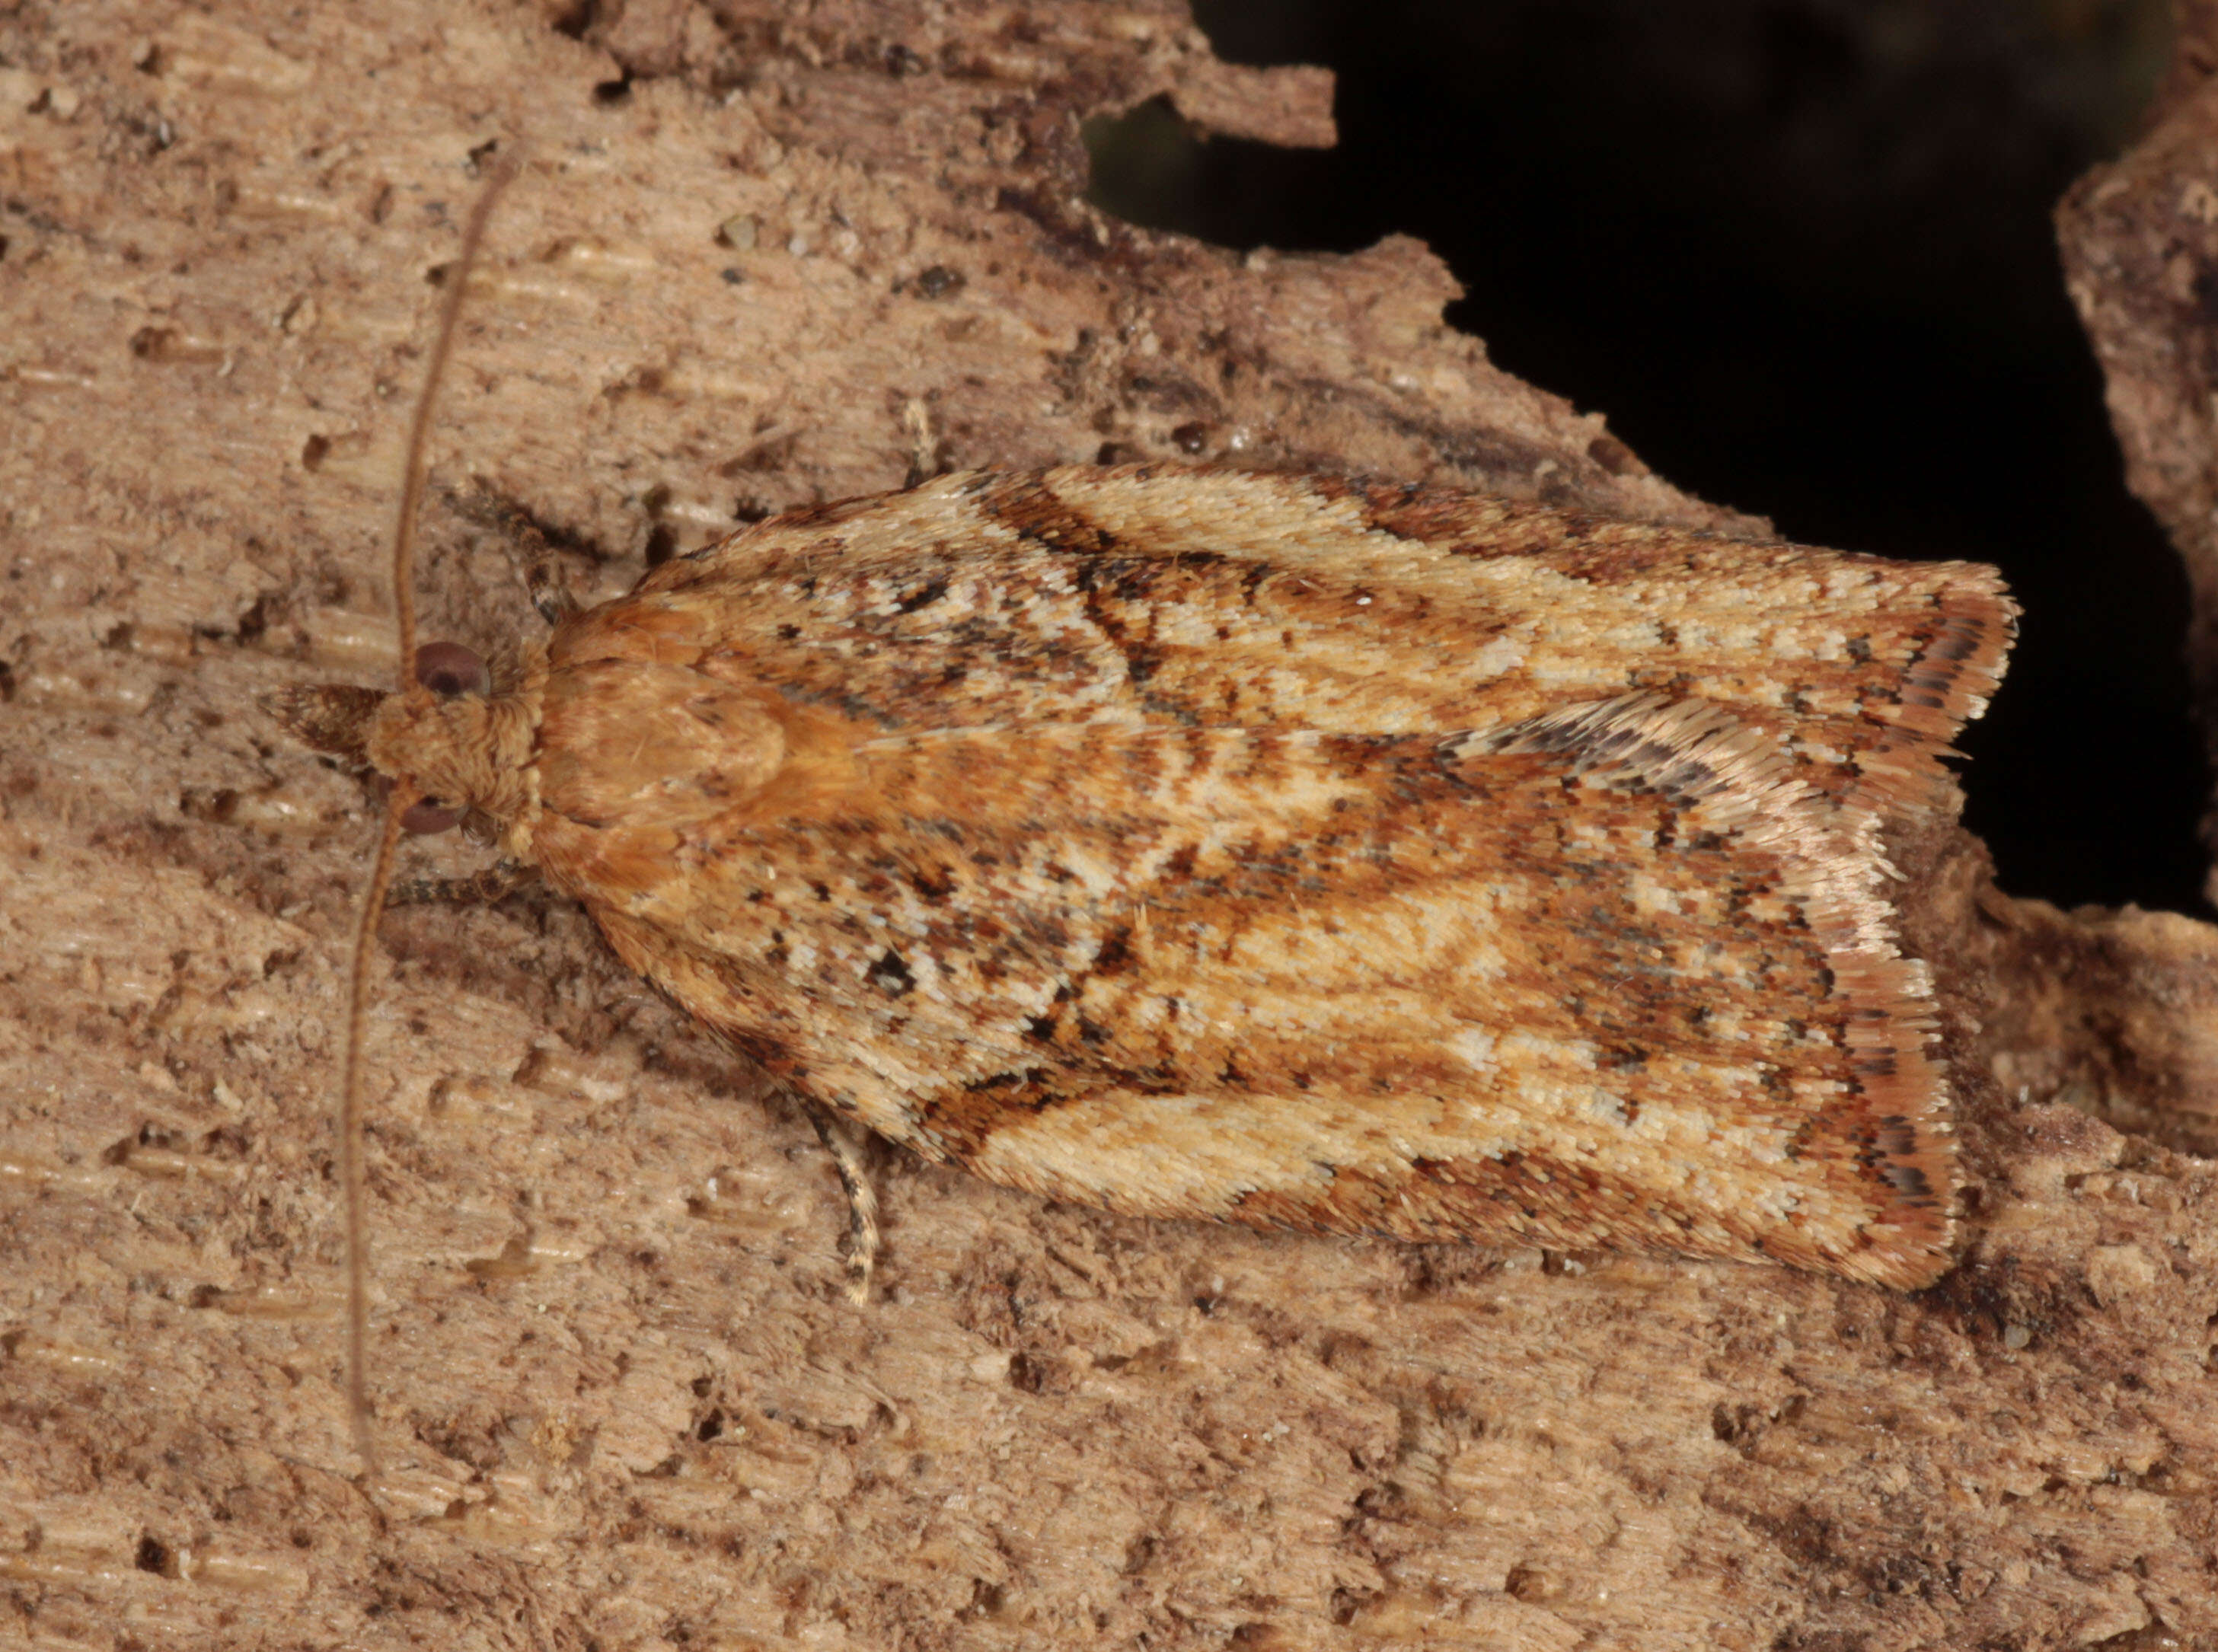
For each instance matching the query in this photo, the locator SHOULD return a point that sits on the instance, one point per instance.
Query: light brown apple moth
(1335, 855)
(1341, 856)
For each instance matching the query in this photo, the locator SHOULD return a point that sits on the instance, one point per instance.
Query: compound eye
(448, 669)
(424, 818)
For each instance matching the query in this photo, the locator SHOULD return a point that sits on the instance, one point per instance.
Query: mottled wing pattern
(1362, 860)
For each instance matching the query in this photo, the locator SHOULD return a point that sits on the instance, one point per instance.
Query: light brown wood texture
(803, 252)
(2140, 239)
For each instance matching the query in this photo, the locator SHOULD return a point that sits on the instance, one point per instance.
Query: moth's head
(460, 736)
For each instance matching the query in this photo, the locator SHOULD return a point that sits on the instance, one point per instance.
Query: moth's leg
(497, 882)
(550, 593)
(924, 457)
(542, 573)
(861, 1247)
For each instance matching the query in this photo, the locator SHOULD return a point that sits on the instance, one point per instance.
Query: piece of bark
(762, 256)
(2140, 240)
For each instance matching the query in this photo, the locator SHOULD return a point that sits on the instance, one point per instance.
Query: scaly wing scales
(1294, 869)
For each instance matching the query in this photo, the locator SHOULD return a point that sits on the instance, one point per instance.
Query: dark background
(1799, 252)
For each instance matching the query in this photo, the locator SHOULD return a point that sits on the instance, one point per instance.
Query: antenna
(456, 282)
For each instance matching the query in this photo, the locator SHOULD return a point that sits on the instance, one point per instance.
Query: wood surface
(764, 254)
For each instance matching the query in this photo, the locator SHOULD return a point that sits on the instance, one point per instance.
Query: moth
(1337, 856)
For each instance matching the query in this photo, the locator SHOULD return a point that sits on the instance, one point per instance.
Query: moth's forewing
(1358, 860)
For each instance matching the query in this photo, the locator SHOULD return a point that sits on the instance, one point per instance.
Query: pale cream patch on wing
(1184, 1155)
(1252, 515)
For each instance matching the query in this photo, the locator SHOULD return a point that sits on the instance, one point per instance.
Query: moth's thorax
(471, 752)
(630, 745)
